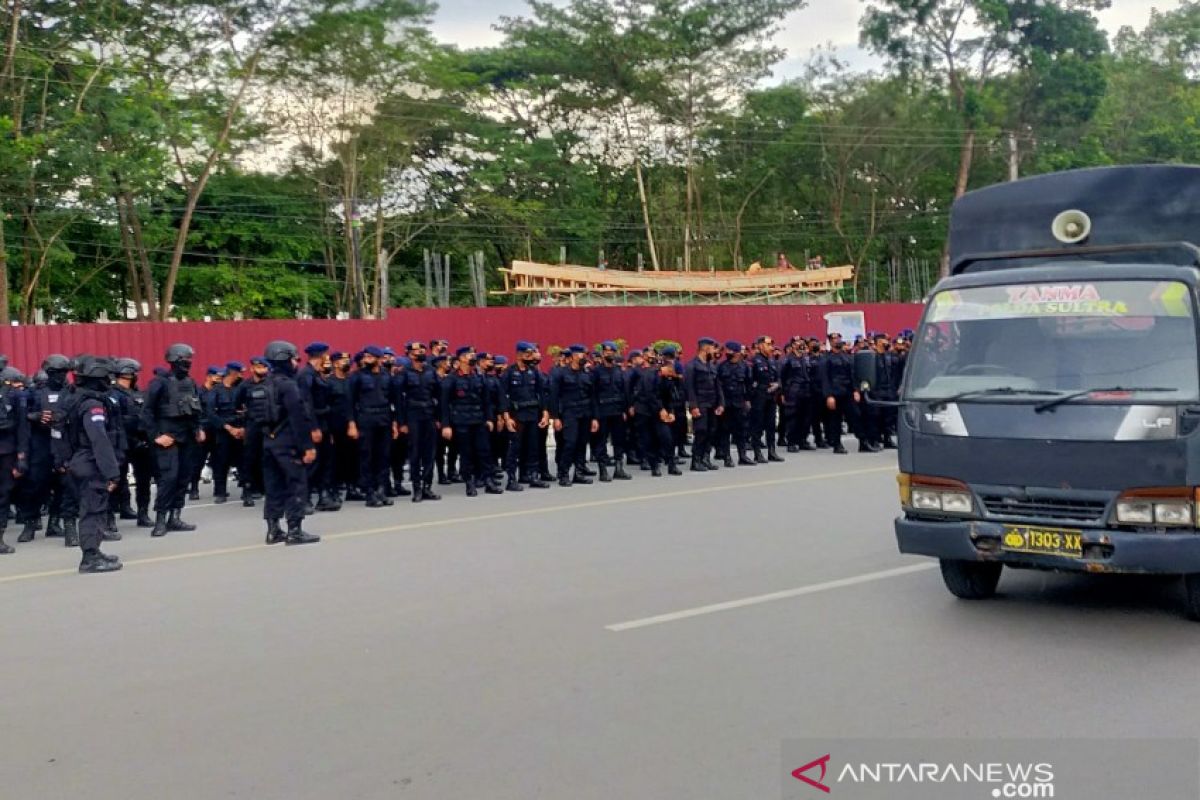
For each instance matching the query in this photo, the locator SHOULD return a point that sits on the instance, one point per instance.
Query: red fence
(494, 329)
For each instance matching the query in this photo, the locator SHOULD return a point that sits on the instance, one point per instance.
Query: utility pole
(360, 290)
(1013, 157)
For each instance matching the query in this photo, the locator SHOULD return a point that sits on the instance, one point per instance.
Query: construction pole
(428, 281)
(1014, 161)
(384, 293)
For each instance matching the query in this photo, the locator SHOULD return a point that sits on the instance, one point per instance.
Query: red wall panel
(494, 329)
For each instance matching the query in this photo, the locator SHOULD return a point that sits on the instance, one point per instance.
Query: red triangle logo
(823, 763)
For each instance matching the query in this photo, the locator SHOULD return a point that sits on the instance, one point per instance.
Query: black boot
(374, 499)
(160, 524)
(655, 471)
(492, 487)
(353, 495)
(889, 443)
(275, 534)
(194, 494)
(175, 522)
(604, 476)
(728, 462)
(384, 499)
(868, 447)
(536, 482)
(514, 485)
(110, 523)
(401, 491)
(327, 501)
(247, 498)
(95, 562)
(839, 449)
(673, 468)
(127, 512)
(111, 535)
(793, 448)
(744, 460)
(297, 534)
(581, 475)
(564, 479)
(5, 549)
(143, 517)
(70, 533)
(54, 528)
(758, 457)
(585, 471)
(698, 465)
(26, 533)
(471, 490)
(773, 456)
(620, 474)
(220, 498)
(427, 493)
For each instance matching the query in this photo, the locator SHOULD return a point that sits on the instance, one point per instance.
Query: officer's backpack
(262, 404)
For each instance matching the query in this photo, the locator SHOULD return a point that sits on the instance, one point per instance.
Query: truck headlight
(1173, 513)
(926, 499)
(1165, 507)
(1135, 512)
(941, 495)
(956, 502)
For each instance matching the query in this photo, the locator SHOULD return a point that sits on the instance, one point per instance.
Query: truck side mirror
(866, 364)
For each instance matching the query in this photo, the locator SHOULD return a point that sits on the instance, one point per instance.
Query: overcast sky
(468, 23)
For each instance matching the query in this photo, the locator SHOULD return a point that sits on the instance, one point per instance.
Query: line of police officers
(343, 428)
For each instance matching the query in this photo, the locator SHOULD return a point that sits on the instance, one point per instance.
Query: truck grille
(1074, 509)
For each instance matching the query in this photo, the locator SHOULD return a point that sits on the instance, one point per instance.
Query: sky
(468, 23)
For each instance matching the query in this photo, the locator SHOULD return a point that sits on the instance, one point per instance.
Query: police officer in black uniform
(573, 409)
(798, 390)
(526, 417)
(889, 370)
(174, 414)
(138, 454)
(43, 484)
(467, 419)
(417, 412)
(316, 390)
(345, 449)
(764, 400)
(288, 446)
(736, 382)
(705, 402)
(671, 397)
(612, 406)
(372, 425)
(91, 432)
(14, 445)
(224, 422)
(837, 387)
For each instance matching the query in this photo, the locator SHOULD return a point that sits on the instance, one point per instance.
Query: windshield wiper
(1050, 405)
(994, 391)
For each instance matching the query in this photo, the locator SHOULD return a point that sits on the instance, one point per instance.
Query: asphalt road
(653, 639)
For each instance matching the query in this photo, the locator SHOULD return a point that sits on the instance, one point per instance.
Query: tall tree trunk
(139, 244)
(965, 156)
(4, 318)
(641, 184)
(135, 283)
(10, 48)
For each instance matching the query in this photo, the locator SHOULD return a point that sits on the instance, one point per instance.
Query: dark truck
(1050, 410)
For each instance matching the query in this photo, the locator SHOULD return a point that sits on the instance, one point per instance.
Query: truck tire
(975, 580)
(1191, 589)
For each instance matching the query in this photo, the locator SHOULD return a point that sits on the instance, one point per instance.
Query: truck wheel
(976, 580)
(1191, 588)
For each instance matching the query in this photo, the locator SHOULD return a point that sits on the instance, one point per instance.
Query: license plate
(1047, 541)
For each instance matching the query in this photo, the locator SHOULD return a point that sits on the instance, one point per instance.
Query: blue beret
(669, 352)
(633, 353)
(237, 366)
(404, 362)
(706, 340)
(608, 345)
(525, 347)
(372, 350)
(214, 370)
(316, 348)
(259, 360)
(387, 351)
(413, 345)
(337, 355)
(907, 333)
(733, 346)
(483, 355)
(501, 361)
(577, 348)
(462, 351)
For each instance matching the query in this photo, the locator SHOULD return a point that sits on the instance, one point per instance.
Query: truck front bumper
(1104, 550)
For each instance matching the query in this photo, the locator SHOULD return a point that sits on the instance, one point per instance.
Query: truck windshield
(1030, 340)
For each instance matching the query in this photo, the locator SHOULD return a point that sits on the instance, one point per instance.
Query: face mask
(418, 357)
(608, 359)
(182, 367)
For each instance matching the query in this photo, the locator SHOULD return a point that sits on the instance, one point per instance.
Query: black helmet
(40, 376)
(179, 352)
(11, 375)
(280, 351)
(94, 367)
(56, 361)
(127, 366)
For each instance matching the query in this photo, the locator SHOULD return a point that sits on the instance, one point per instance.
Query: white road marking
(729, 605)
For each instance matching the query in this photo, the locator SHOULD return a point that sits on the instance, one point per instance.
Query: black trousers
(572, 450)
(7, 485)
(847, 410)
(399, 459)
(612, 430)
(202, 453)
(473, 452)
(704, 429)
(734, 423)
(762, 421)
(226, 452)
(799, 419)
(321, 471)
(141, 461)
(345, 455)
(92, 491)
(173, 466)
(286, 481)
(374, 453)
(422, 445)
(544, 450)
(525, 451)
(656, 439)
(43, 486)
(250, 473)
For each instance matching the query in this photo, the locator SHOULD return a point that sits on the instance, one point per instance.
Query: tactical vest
(181, 400)
(372, 399)
(523, 390)
(261, 405)
(8, 410)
